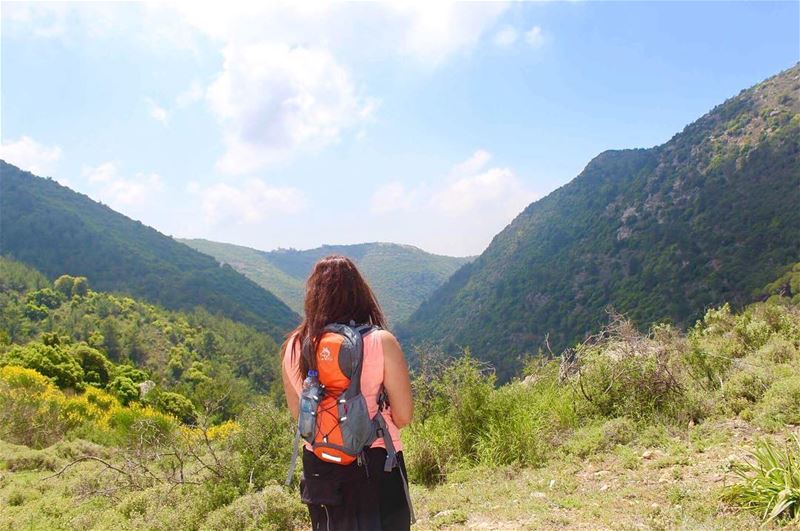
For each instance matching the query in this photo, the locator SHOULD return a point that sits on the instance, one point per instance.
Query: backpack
(343, 425)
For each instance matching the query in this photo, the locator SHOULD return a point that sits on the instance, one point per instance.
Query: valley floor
(670, 482)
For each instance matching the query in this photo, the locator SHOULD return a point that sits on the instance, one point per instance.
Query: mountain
(59, 231)
(658, 234)
(401, 275)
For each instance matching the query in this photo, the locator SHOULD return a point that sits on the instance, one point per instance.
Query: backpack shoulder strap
(293, 462)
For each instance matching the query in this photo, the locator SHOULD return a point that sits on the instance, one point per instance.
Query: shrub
(124, 389)
(770, 483)
(30, 408)
(430, 449)
(624, 374)
(744, 388)
(272, 508)
(140, 425)
(176, 405)
(600, 437)
(780, 405)
(522, 421)
(51, 361)
(778, 349)
(96, 367)
(263, 446)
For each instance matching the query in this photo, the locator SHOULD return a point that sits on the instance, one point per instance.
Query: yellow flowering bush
(30, 408)
(223, 431)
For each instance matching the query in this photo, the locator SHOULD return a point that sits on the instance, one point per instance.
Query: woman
(350, 497)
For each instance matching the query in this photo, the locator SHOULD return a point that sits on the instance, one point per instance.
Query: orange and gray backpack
(334, 417)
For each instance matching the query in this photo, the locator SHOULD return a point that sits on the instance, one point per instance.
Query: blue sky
(294, 125)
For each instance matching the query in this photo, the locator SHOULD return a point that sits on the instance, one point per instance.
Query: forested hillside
(78, 336)
(401, 275)
(59, 231)
(659, 234)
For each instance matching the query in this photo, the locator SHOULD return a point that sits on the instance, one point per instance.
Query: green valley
(401, 275)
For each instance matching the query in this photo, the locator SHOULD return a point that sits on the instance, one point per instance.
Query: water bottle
(309, 397)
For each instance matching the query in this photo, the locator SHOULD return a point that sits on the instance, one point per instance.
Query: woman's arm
(291, 381)
(396, 380)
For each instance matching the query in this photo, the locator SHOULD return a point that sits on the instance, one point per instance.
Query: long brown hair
(335, 293)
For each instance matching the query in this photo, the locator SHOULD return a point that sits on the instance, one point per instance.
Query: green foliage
(124, 389)
(64, 284)
(660, 234)
(770, 483)
(780, 405)
(45, 297)
(402, 276)
(30, 409)
(176, 405)
(206, 358)
(262, 446)
(51, 361)
(96, 367)
(625, 374)
(57, 230)
(271, 508)
(600, 437)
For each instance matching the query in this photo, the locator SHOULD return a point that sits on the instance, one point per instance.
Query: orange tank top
(371, 381)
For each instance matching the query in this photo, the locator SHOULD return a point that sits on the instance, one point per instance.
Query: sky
(300, 124)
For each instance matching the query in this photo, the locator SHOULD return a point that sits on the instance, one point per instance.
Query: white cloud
(436, 30)
(475, 163)
(534, 37)
(496, 188)
(459, 213)
(273, 99)
(120, 192)
(157, 112)
(249, 203)
(429, 32)
(30, 155)
(506, 37)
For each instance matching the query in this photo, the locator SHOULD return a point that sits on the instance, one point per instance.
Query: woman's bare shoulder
(391, 347)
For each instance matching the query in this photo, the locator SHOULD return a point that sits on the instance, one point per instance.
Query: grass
(770, 486)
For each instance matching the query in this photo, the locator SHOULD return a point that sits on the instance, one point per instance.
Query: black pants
(353, 497)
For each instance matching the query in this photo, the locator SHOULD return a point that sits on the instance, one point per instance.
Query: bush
(780, 405)
(625, 374)
(30, 408)
(96, 367)
(778, 349)
(140, 425)
(263, 446)
(124, 389)
(429, 453)
(49, 360)
(770, 483)
(272, 508)
(600, 437)
(522, 422)
(176, 405)
(744, 388)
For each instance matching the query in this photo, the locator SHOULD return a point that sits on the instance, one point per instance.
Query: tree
(64, 285)
(177, 405)
(49, 360)
(46, 297)
(80, 288)
(96, 367)
(124, 389)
